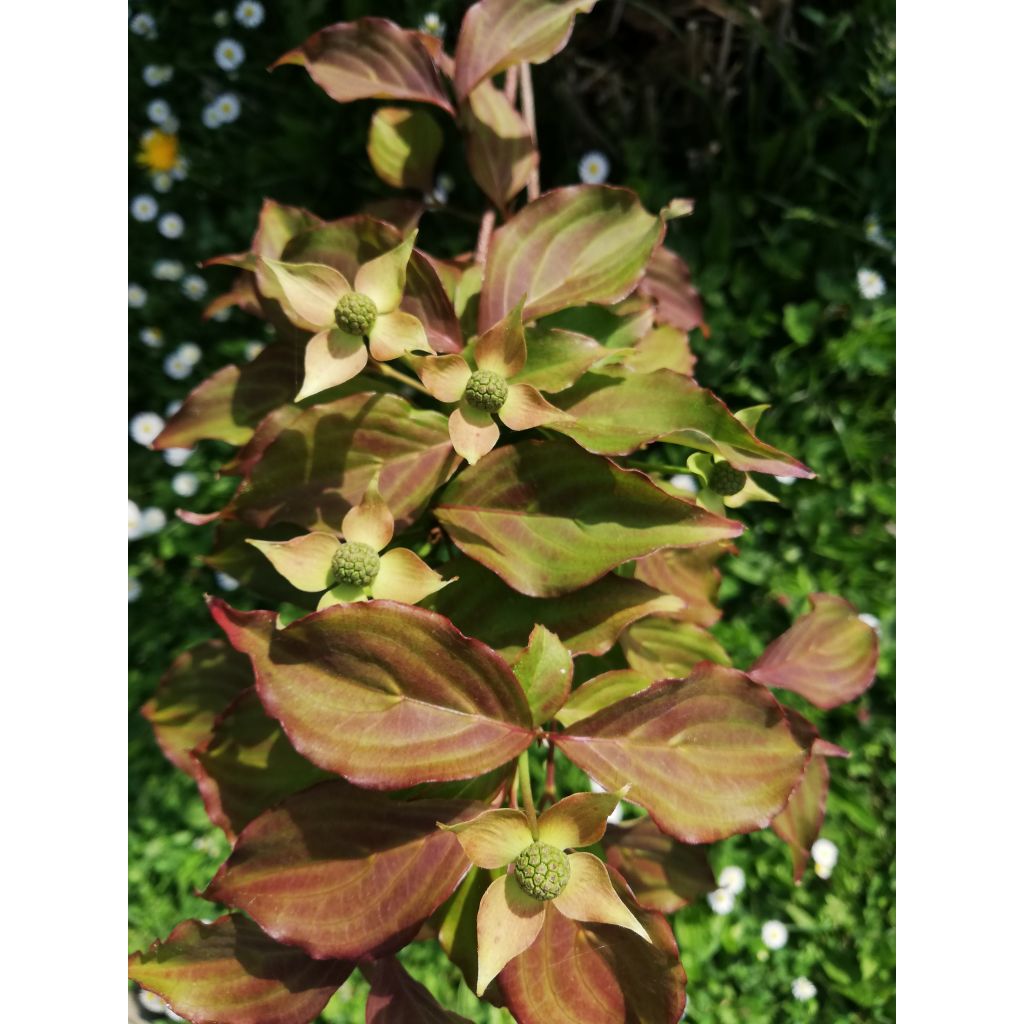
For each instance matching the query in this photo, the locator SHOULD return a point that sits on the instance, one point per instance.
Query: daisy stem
(385, 371)
(527, 791)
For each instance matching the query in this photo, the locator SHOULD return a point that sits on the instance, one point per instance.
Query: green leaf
(395, 998)
(385, 694)
(403, 146)
(371, 58)
(801, 320)
(586, 243)
(456, 923)
(690, 575)
(556, 359)
(603, 974)
(197, 687)
(663, 649)
(601, 692)
(496, 34)
(248, 765)
(544, 671)
(709, 756)
(229, 972)
(663, 874)
(828, 656)
(549, 518)
(587, 621)
(310, 870)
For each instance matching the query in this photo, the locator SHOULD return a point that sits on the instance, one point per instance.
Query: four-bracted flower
(318, 298)
(354, 569)
(491, 389)
(577, 884)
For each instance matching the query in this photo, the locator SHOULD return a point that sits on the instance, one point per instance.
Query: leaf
(197, 687)
(403, 146)
(499, 147)
(618, 415)
(549, 518)
(321, 462)
(601, 692)
(456, 923)
(600, 974)
(664, 348)
(708, 756)
(387, 695)
(663, 649)
(556, 359)
(800, 821)
(371, 58)
(341, 872)
(229, 972)
(587, 621)
(667, 281)
(496, 34)
(690, 575)
(396, 998)
(664, 875)
(544, 671)
(828, 656)
(586, 243)
(248, 765)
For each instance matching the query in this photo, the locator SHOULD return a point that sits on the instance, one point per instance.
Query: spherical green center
(355, 313)
(542, 871)
(725, 480)
(487, 391)
(355, 563)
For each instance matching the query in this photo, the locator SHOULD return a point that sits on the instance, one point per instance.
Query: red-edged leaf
(663, 874)
(827, 656)
(664, 649)
(385, 694)
(341, 872)
(248, 765)
(400, 212)
(403, 146)
(197, 687)
(800, 822)
(690, 575)
(597, 973)
(708, 756)
(549, 518)
(229, 972)
(601, 692)
(395, 998)
(586, 243)
(618, 415)
(496, 34)
(667, 281)
(544, 671)
(456, 923)
(371, 58)
(556, 359)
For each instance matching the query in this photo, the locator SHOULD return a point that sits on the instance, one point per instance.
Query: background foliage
(779, 123)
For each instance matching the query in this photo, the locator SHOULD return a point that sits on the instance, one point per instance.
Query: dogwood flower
(229, 54)
(144, 208)
(721, 901)
(732, 879)
(352, 569)
(488, 390)
(774, 934)
(137, 295)
(577, 885)
(870, 283)
(318, 298)
(249, 13)
(144, 427)
(171, 225)
(804, 989)
(594, 168)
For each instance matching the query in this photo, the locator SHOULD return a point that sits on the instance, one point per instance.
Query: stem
(549, 780)
(483, 239)
(530, 116)
(385, 371)
(527, 791)
(655, 467)
(511, 83)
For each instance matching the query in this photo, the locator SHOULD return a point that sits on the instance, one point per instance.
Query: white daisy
(211, 116)
(616, 816)
(228, 107)
(177, 367)
(171, 1015)
(173, 407)
(786, 481)
(171, 225)
(229, 54)
(872, 621)
(153, 520)
(177, 457)
(134, 590)
(147, 1000)
(221, 315)
(253, 349)
(185, 485)
(134, 521)
(873, 230)
(137, 296)
(249, 13)
(870, 283)
(226, 582)
(194, 286)
(804, 989)
(157, 74)
(684, 482)
(143, 25)
(152, 337)
(594, 168)
(824, 851)
(433, 25)
(774, 934)
(206, 844)
(721, 901)
(822, 870)
(144, 208)
(168, 270)
(158, 111)
(190, 352)
(144, 427)
(162, 181)
(222, 19)
(732, 879)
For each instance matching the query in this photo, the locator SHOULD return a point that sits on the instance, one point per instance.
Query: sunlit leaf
(690, 575)
(403, 146)
(664, 649)
(556, 359)
(601, 692)
(544, 671)
(667, 281)
(800, 822)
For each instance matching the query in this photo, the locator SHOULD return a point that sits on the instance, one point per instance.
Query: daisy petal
(578, 820)
(507, 923)
(305, 562)
(383, 278)
(493, 838)
(342, 593)
(369, 522)
(309, 291)
(502, 349)
(405, 577)
(526, 407)
(332, 358)
(445, 377)
(473, 432)
(394, 334)
(589, 896)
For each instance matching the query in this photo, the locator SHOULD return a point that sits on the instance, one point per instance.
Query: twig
(511, 83)
(549, 778)
(483, 238)
(385, 371)
(527, 790)
(530, 116)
